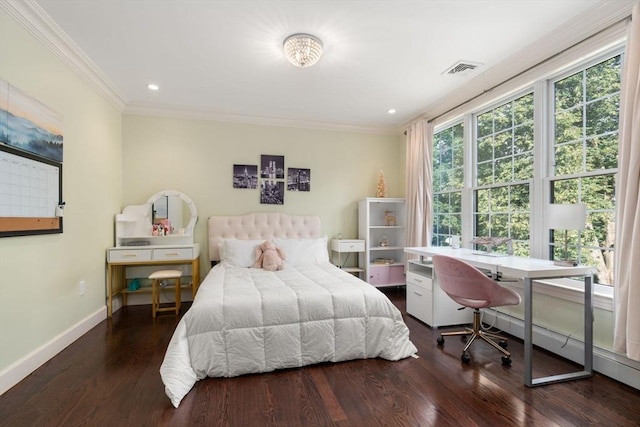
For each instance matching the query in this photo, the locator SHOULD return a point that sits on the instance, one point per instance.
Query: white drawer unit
(129, 255)
(165, 254)
(343, 245)
(427, 302)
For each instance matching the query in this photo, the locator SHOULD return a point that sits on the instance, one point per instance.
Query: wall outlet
(82, 287)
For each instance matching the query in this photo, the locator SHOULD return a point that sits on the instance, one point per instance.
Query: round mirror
(172, 212)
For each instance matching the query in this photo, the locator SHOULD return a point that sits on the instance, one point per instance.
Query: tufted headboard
(260, 226)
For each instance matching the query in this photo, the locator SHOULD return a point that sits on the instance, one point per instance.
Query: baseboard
(606, 362)
(19, 370)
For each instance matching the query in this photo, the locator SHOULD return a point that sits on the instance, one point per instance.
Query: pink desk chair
(470, 287)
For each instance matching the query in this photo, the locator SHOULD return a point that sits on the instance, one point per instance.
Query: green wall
(39, 275)
(197, 158)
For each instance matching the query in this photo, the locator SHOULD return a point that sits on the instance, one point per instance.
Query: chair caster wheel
(503, 344)
(465, 357)
(506, 361)
(440, 341)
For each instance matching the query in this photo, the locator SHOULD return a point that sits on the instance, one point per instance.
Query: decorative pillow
(304, 251)
(238, 252)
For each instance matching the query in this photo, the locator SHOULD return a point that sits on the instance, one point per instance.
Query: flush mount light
(391, 111)
(302, 50)
(153, 86)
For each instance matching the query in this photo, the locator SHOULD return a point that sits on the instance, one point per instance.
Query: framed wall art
(271, 167)
(31, 143)
(272, 192)
(245, 176)
(298, 179)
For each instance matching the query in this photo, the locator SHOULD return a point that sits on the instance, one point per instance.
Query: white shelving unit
(383, 259)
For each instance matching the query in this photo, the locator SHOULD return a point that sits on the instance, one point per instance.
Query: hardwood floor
(110, 377)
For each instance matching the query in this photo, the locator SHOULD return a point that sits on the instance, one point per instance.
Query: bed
(248, 320)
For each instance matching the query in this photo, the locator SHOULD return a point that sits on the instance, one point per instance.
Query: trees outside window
(448, 181)
(504, 166)
(585, 160)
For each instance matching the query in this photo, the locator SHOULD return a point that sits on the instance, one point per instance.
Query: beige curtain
(627, 268)
(418, 181)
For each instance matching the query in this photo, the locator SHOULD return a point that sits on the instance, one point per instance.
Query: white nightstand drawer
(169, 254)
(129, 255)
(347, 245)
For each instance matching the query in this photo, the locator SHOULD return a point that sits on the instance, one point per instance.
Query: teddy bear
(269, 257)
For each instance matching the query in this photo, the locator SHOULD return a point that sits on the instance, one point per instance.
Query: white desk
(530, 269)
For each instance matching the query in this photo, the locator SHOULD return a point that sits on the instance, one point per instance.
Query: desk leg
(588, 325)
(528, 332)
(528, 338)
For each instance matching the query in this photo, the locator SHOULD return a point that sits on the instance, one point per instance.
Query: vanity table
(155, 234)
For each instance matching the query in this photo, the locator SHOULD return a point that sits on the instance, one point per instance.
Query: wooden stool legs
(156, 290)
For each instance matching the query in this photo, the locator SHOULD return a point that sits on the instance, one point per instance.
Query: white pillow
(304, 251)
(238, 252)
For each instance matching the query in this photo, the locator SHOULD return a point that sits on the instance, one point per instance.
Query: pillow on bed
(304, 251)
(238, 252)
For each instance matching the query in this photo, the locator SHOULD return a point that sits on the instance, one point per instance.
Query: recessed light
(391, 111)
(153, 86)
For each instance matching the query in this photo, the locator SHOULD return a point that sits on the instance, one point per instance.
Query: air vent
(461, 68)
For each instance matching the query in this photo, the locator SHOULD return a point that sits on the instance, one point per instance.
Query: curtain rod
(555, 55)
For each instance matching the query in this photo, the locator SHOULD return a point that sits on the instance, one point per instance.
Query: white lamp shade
(566, 217)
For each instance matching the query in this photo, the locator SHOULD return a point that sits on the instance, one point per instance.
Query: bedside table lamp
(566, 217)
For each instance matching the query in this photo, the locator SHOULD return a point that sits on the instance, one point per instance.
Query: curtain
(626, 338)
(418, 182)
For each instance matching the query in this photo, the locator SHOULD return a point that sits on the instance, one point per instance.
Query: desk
(120, 257)
(530, 269)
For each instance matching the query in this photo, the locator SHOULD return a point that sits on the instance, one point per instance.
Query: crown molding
(40, 25)
(216, 116)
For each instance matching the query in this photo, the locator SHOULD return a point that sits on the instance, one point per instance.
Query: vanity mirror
(168, 216)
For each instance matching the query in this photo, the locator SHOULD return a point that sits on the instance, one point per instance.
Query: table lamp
(566, 217)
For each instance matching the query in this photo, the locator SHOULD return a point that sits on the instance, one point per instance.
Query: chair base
(477, 332)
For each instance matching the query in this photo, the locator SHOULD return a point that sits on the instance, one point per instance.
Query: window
(448, 181)
(521, 158)
(504, 166)
(585, 147)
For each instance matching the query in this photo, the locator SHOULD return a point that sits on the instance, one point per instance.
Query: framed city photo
(271, 167)
(245, 176)
(271, 192)
(298, 179)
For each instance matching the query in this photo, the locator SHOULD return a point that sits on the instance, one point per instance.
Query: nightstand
(347, 246)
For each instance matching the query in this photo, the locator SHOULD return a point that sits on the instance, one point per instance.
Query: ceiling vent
(461, 68)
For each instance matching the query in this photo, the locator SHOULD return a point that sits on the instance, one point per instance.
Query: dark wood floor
(109, 377)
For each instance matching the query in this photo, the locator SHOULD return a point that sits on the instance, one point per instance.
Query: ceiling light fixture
(302, 50)
(391, 111)
(153, 86)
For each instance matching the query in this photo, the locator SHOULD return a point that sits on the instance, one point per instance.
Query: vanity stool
(156, 277)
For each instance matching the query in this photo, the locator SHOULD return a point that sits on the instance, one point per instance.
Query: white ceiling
(223, 59)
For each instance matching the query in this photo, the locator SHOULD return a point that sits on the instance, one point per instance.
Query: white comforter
(247, 320)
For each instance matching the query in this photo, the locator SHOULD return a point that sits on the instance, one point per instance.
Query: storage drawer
(347, 245)
(420, 303)
(169, 254)
(129, 255)
(419, 280)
